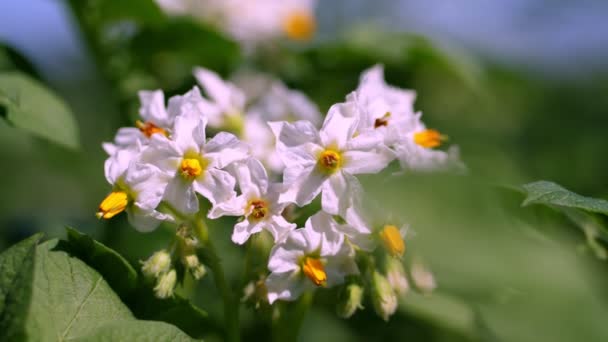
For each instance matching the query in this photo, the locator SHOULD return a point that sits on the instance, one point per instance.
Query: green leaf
(68, 300)
(133, 289)
(29, 105)
(549, 193)
(16, 270)
(117, 271)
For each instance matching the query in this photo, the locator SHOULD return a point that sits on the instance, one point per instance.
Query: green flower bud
(395, 274)
(165, 285)
(350, 298)
(157, 264)
(383, 296)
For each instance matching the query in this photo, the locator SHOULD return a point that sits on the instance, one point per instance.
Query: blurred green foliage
(505, 273)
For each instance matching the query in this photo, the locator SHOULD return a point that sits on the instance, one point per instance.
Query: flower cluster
(251, 22)
(170, 167)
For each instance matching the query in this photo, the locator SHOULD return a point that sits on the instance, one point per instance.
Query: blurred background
(521, 86)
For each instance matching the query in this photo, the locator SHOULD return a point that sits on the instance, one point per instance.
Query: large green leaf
(133, 289)
(549, 193)
(16, 263)
(29, 105)
(117, 271)
(70, 301)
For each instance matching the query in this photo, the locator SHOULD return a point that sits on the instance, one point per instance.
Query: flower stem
(287, 326)
(231, 304)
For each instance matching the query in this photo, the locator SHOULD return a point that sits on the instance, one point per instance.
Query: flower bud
(350, 299)
(158, 263)
(423, 278)
(165, 285)
(383, 296)
(395, 274)
(194, 266)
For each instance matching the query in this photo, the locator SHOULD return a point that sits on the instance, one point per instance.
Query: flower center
(382, 121)
(393, 242)
(148, 128)
(314, 270)
(329, 161)
(191, 168)
(429, 138)
(113, 204)
(259, 209)
(300, 25)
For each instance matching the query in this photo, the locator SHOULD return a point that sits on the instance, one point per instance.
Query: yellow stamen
(393, 242)
(314, 270)
(259, 209)
(429, 138)
(191, 168)
(149, 129)
(382, 121)
(300, 25)
(113, 204)
(329, 161)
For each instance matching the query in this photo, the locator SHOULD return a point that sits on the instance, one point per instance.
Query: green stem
(287, 326)
(231, 304)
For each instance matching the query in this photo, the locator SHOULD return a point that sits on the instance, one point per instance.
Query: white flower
(137, 188)
(251, 22)
(257, 203)
(416, 149)
(389, 111)
(279, 104)
(193, 164)
(313, 256)
(384, 108)
(229, 101)
(326, 161)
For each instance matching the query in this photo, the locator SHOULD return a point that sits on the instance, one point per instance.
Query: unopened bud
(395, 274)
(349, 300)
(383, 296)
(194, 266)
(157, 264)
(165, 285)
(423, 278)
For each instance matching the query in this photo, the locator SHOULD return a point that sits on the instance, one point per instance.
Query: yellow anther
(149, 129)
(329, 161)
(191, 168)
(429, 138)
(382, 121)
(392, 239)
(115, 203)
(300, 25)
(314, 270)
(259, 209)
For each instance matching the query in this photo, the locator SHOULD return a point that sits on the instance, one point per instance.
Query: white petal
(279, 228)
(187, 132)
(374, 161)
(233, 207)
(321, 233)
(285, 286)
(340, 124)
(142, 220)
(294, 134)
(335, 197)
(148, 183)
(243, 230)
(225, 94)
(224, 149)
(128, 136)
(117, 164)
(216, 185)
(252, 177)
(181, 195)
(153, 107)
(163, 154)
(305, 188)
(285, 257)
